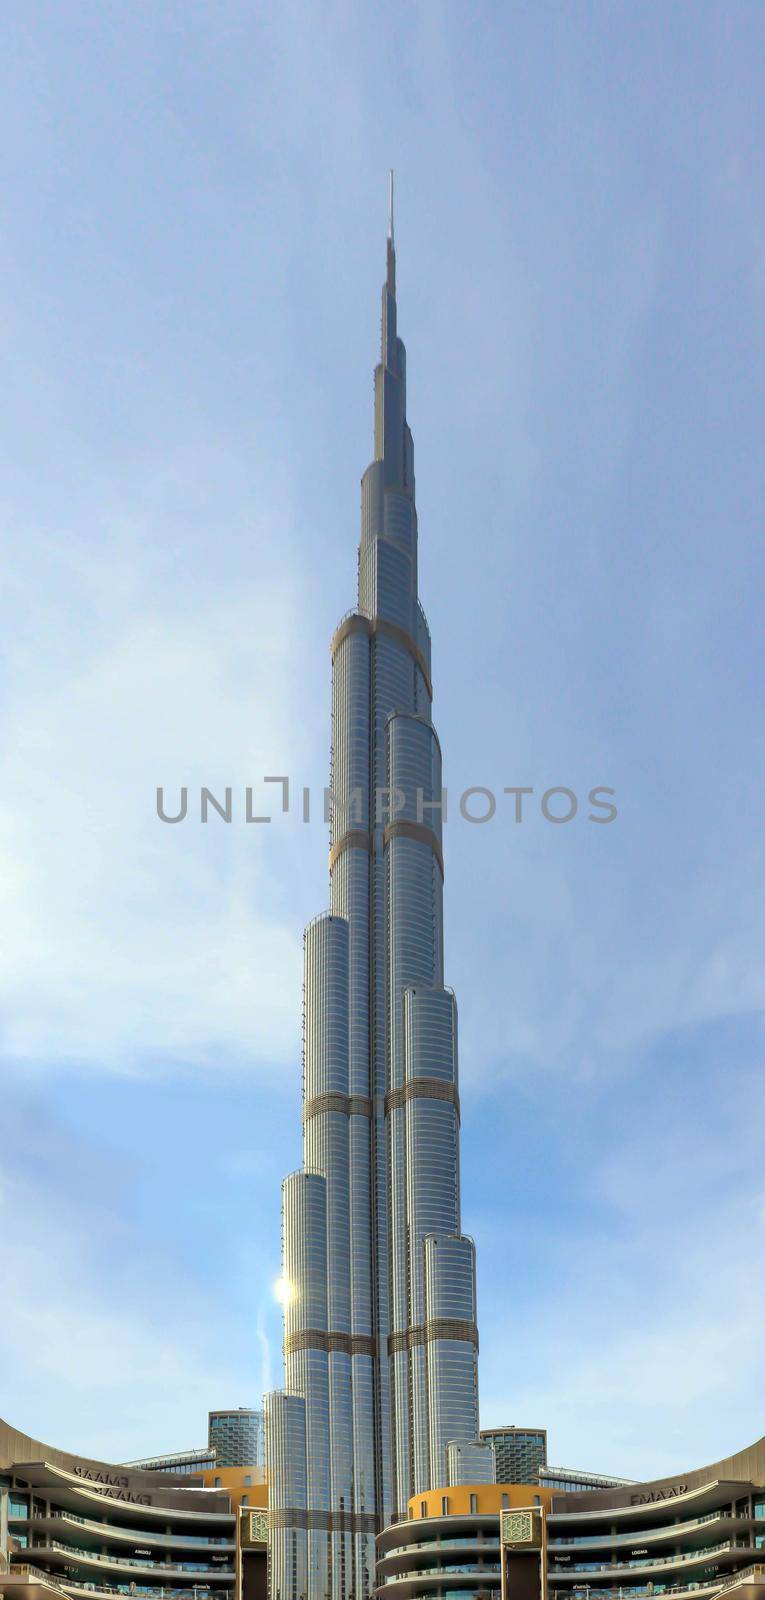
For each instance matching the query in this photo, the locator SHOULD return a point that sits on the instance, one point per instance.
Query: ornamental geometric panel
(258, 1527)
(521, 1528)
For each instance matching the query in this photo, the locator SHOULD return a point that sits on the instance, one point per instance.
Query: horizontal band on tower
(323, 1521)
(422, 1089)
(355, 839)
(351, 1105)
(356, 623)
(417, 831)
(456, 1328)
(349, 1344)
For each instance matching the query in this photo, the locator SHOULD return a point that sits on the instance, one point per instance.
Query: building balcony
(67, 1556)
(727, 1554)
(421, 1556)
(692, 1532)
(142, 1501)
(139, 1591)
(441, 1582)
(88, 1529)
(693, 1591)
(719, 1495)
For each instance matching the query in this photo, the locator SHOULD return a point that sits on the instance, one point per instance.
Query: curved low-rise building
(692, 1537)
(96, 1529)
(450, 1543)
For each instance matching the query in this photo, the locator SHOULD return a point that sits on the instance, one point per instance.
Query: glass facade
(236, 1437)
(380, 1314)
(469, 1462)
(518, 1452)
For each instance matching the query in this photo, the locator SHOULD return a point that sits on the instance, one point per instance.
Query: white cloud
(124, 938)
(647, 1333)
(100, 1325)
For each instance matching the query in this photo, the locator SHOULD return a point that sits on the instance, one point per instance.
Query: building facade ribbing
(236, 1437)
(380, 1339)
(519, 1453)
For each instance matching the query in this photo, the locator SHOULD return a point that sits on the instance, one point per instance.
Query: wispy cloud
(194, 243)
(126, 940)
(107, 1343)
(639, 1301)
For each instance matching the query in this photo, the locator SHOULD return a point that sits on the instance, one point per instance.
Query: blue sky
(194, 204)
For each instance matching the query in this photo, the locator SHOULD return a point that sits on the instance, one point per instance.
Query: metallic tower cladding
(380, 1337)
(284, 1416)
(471, 1462)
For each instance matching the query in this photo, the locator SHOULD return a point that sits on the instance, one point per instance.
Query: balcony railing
(138, 1535)
(145, 1591)
(755, 1571)
(671, 1530)
(696, 1556)
(133, 1561)
(38, 1575)
(489, 1570)
(708, 1587)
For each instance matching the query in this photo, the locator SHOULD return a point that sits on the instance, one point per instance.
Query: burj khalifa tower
(380, 1337)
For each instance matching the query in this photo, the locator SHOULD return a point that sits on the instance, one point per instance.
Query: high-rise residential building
(380, 1339)
(236, 1437)
(519, 1452)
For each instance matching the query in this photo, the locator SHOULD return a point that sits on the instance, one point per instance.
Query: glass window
(444, 1505)
(423, 1508)
(216, 1484)
(505, 1501)
(248, 1478)
(17, 1507)
(245, 1499)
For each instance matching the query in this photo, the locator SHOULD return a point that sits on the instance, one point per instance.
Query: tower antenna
(390, 207)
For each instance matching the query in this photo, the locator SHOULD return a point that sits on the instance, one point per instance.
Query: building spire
(391, 280)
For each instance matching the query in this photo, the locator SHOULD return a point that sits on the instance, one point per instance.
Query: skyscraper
(380, 1339)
